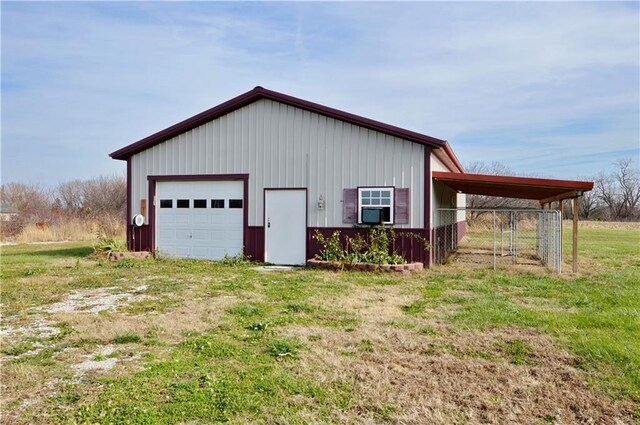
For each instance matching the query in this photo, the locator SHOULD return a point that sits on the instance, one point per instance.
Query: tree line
(100, 200)
(615, 195)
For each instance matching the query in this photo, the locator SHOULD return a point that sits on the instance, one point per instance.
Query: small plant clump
(107, 244)
(331, 247)
(284, 347)
(127, 338)
(375, 248)
(240, 259)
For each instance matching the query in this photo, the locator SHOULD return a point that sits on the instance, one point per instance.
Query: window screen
(235, 203)
(182, 203)
(166, 203)
(217, 203)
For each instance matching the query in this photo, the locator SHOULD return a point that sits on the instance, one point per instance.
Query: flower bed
(337, 265)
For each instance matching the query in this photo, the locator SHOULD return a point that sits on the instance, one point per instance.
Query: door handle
(268, 223)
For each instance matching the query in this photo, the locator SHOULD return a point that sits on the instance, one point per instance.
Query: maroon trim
(195, 177)
(255, 249)
(152, 213)
(129, 218)
(262, 93)
(426, 203)
(264, 212)
(448, 158)
(198, 177)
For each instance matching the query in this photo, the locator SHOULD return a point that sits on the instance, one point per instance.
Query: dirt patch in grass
(168, 327)
(543, 304)
(374, 304)
(406, 377)
(418, 369)
(95, 300)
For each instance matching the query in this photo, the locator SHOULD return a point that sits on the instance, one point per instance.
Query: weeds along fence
(499, 238)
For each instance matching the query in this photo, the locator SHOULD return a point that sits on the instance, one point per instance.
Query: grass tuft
(127, 338)
(287, 347)
(518, 350)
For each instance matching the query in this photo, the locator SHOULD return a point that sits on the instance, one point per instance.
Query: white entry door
(199, 219)
(285, 224)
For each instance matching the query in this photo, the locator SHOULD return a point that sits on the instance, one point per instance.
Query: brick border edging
(134, 255)
(390, 268)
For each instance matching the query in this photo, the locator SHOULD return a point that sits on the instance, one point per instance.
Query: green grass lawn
(202, 342)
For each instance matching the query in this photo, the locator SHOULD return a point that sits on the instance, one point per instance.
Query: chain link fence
(499, 238)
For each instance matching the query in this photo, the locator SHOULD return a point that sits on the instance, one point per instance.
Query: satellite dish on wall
(138, 220)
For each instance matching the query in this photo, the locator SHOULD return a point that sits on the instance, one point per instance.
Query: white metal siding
(444, 197)
(282, 146)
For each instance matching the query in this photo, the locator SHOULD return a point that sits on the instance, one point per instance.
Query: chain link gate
(498, 238)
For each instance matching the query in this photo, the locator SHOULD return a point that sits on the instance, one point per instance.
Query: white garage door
(199, 219)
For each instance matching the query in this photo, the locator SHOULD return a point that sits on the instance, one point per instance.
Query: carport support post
(575, 234)
(494, 240)
(561, 208)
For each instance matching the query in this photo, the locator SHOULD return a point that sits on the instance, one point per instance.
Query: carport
(545, 191)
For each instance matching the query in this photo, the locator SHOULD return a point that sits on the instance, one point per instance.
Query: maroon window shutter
(402, 206)
(350, 205)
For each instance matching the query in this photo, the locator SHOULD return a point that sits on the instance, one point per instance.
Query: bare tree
(619, 191)
(70, 196)
(627, 178)
(491, 202)
(588, 204)
(105, 195)
(93, 198)
(32, 202)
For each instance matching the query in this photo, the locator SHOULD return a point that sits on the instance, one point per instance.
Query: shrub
(376, 247)
(331, 247)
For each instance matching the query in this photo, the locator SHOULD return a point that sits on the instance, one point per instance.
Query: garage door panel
(201, 235)
(167, 218)
(201, 232)
(201, 219)
(183, 218)
(183, 251)
(200, 252)
(166, 234)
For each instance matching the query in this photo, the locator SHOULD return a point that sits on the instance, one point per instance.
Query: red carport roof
(512, 187)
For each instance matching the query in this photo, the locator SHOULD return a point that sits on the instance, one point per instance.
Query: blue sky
(549, 89)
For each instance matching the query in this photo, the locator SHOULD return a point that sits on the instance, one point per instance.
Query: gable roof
(262, 93)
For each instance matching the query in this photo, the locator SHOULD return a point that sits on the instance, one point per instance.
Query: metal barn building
(263, 171)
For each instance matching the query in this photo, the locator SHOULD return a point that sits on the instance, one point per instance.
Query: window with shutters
(393, 204)
(378, 198)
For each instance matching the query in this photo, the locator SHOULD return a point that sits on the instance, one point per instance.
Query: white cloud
(88, 78)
